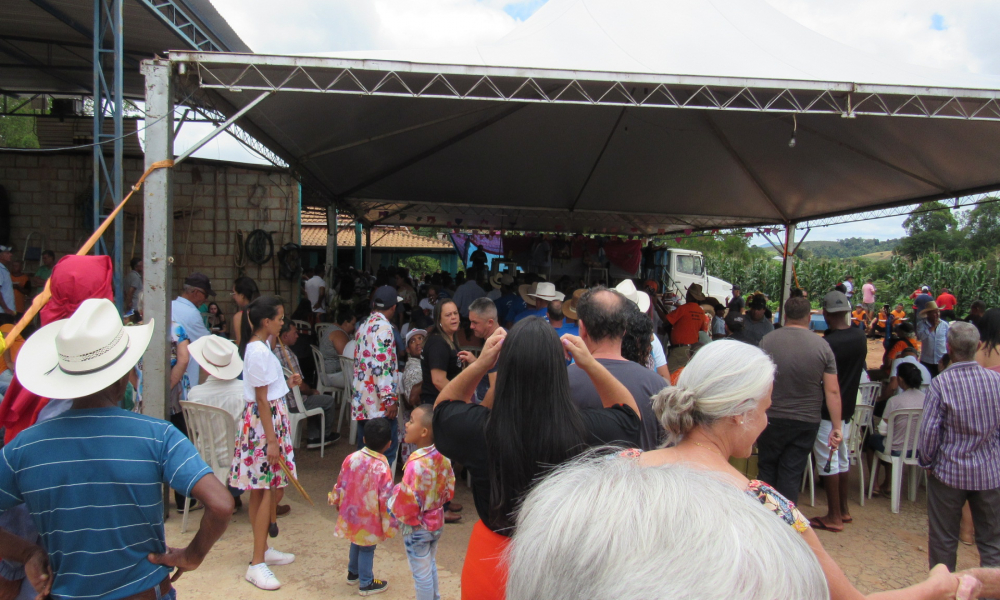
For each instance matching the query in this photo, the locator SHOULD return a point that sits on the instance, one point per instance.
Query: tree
(420, 265)
(981, 227)
(931, 228)
(18, 131)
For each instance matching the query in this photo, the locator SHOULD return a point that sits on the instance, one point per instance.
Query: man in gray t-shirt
(806, 377)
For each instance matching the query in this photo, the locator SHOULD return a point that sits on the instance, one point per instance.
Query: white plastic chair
(860, 423)
(347, 393)
(207, 426)
(302, 325)
(907, 457)
(812, 481)
(869, 392)
(296, 419)
(323, 383)
(323, 329)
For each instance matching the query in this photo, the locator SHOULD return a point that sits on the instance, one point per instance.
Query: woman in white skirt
(263, 438)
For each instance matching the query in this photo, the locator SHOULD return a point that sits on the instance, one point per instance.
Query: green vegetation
(932, 228)
(18, 131)
(846, 248)
(421, 265)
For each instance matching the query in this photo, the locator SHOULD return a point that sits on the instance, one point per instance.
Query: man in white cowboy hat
(543, 293)
(642, 300)
(220, 358)
(92, 476)
(932, 332)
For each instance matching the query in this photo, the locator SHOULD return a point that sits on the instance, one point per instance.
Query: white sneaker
(274, 557)
(262, 577)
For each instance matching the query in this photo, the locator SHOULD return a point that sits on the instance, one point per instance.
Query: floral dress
(250, 468)
(178, 335)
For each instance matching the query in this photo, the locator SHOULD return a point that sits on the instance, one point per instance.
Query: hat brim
(197, 351)
(929, 309)
(642, 300)
(38, 370)
(522, 291)
(557, 296)
(495, 281)
(569, 309)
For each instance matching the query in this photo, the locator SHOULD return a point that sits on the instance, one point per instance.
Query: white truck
(677, 269)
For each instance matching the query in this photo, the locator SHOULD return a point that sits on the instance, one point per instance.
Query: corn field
(894, 279)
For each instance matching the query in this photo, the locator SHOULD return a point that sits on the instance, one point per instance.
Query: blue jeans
(361, 562)
(421, 550)
(5, 378)
(390, 454)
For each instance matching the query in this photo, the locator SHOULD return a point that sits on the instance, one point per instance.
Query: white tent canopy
(618, 116)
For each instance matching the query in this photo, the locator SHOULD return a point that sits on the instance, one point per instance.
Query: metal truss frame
(236, 73)
(175, 16)
(109, 103)
(898, 211)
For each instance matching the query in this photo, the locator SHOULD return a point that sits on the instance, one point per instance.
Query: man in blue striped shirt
(92, 476)
(960, 447)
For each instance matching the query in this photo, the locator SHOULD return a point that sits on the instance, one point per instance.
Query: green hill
(847, 248)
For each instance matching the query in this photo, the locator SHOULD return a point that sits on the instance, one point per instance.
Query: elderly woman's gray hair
(724, 379)
(605, 528)
(963, 341)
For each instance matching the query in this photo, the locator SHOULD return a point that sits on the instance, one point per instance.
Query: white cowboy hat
(83, 354)
(627, 288)
(547, 291)
(499, 279)
(218, 356)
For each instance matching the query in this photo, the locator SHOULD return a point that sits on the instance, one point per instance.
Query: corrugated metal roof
(383, 238)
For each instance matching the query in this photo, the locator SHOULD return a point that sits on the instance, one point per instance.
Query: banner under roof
(619, 116)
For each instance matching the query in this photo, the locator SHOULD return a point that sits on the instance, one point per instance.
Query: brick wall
(212, 201)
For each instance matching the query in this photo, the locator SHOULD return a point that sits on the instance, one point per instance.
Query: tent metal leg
(331, 244)
(157, 235)
(358, 259)
(786, 268)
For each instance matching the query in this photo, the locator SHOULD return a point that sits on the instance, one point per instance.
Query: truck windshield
(689, 264)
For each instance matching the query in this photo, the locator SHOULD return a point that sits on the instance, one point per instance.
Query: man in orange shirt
(685, 323)
(946, 301)
(7, 358)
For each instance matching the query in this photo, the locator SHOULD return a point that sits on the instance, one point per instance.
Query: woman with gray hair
(716, 411)
(685, 534)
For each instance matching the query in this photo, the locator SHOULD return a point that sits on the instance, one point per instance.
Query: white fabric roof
(621, 116)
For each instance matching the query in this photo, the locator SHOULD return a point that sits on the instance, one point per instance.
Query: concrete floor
(879, 551)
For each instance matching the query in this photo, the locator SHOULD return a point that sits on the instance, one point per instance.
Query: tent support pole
(158, 224)
(331, 244)
(358, 262)
(368, 249)
(786, 267)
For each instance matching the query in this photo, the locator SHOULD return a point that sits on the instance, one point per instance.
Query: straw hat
(569, 307)
(695, 290)
(218, 356)
(83, 354)
(498, 279)
(525, 291)
(627, 289)
(931, 305)
(709, 309)
(546, 290)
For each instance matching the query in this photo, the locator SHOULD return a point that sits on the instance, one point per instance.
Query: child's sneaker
(262, 577)
(277, 558)
(377, 586)
(352, 578)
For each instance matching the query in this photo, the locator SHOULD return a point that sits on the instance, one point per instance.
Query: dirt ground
(879, 551)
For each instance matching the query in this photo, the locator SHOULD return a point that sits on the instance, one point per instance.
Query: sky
(950, 34)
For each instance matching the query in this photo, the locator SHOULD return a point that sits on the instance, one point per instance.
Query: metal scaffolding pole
(158, 210)
(108, 50)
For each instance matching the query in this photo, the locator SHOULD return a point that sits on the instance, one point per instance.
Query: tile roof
(383, 238)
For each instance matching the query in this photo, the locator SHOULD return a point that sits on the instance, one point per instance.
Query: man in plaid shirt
(960, 448)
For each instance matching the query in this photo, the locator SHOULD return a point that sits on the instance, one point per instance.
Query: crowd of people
(548, 396)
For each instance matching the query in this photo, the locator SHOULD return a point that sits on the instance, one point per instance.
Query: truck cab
(678, 268)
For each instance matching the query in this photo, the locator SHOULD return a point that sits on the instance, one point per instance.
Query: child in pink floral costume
(361, 496)
(418, 501)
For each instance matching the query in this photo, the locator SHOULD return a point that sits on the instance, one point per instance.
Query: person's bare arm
(464, 385)
(34, 558)
(610, 390)
(264, 410)
(831, 390)
(339, 340)
(236, 327)
(183, 357)
(664, 372)
(488, 400)
(439, 377)
(890, 389)
(218, 511)
(414, 399)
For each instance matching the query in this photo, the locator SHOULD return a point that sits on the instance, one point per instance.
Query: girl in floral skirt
(263, 436)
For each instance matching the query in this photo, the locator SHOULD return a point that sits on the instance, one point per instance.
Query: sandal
(816, 523)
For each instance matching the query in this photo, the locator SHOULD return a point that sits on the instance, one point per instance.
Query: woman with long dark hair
(263, 440)
(244, 292)
(532, 426)
(988, 355)
(440, 363)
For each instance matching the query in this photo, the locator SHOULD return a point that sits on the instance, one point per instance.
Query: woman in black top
(440, 363)
(532, 427)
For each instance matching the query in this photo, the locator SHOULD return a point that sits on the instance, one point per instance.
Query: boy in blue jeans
(361, 496)
(418, 501)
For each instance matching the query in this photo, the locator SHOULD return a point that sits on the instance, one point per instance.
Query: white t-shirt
(924, 373)
(659, 358)
(850, 288)
(313, 288)
(262, 368)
